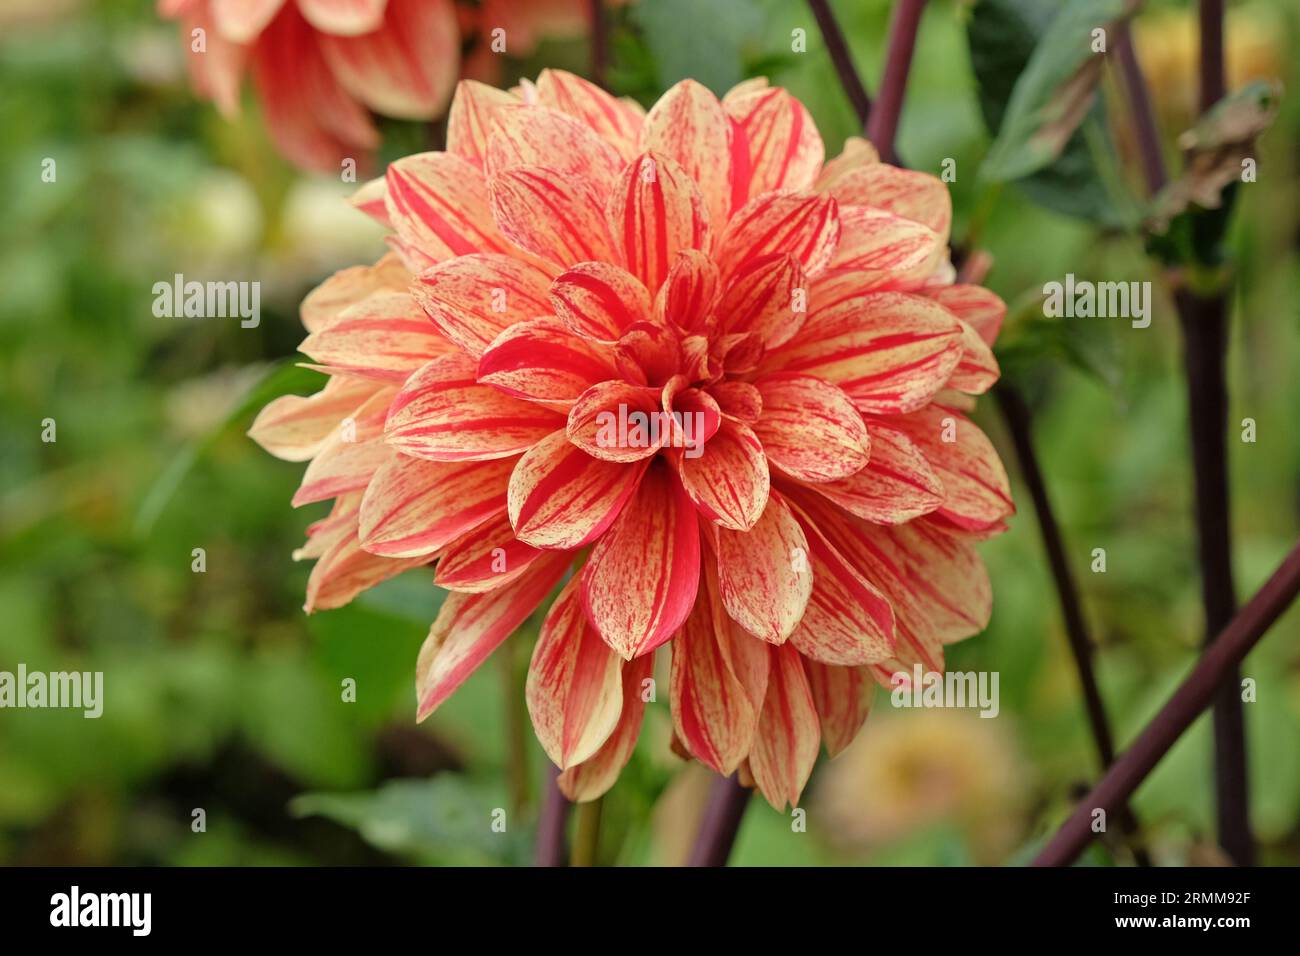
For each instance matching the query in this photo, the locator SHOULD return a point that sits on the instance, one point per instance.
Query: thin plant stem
(1144, 120)
(838, 50)
(722, 816)
(1212, 673)
(599, 43)
(883, 124)
(586, 839)
(1212, 83)
(552, 821)
(517, 725)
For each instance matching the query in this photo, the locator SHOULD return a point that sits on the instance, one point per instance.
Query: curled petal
(541, 361)
(764, 574)
(654, 212)
(473, 299)
(351, 454)
(728, 480)
(897, 484)
(599, 301)
(768, 297)
(810, 429)
(618, 421)
(345, 570)
(413, 507)
(469, 627)
(686, 298)
(443, 414)
(574, 689)
(788, 736)
(804, 225)
(595, 775)
(561, 497)
(739, 400)
(485, 558)
(640, 581)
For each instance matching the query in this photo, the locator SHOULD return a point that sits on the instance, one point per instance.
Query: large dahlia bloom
(800, 524)
(321, 66)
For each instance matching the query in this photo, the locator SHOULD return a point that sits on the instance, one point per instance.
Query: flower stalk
(586, 839)
(551, 822)
(722, 816)
(883, 124)
(838, 50)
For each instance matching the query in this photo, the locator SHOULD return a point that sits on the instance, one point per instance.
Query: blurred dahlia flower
(320, 66)
(570, 261)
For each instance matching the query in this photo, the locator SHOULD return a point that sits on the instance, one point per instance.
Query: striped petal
(810, 429)
(541, 361)
(728, 480)
(685, 300)
(325, 304)
(555, 218)
(469, 122)
(785, 149)
(804, 225)
(842, 696)
(538, 136)
(718, 682)
(442, 413)
(438, 204)
(788, 736)
(296, 427)
(738, 400)
(974, 305)
(978, 370)
(574, 689)
(408, 66)
(885, 251)
(387, 336)
(469, 627)
(897, 484)
(351, 454)
(976, 493)
(857, 152)
(640, 581)
(414, 507)
(890, 352)
(345, 570)
(689, 126)
(919, 197)
(599, 301)
(764, 573)
(594, 776)
(655, 211)
(768, 297)
(561, 497)
(484, 558)
(618, 421)
(473, 299)
(617, 122)
(848, 620)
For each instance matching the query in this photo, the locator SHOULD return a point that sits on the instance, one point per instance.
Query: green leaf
(443, 820)
(1018, 51)
(709, 43)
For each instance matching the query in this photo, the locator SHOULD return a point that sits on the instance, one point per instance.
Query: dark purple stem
(551, 821)
(722, 816)
(599, 43)
(838, 50)
(1212, 81)
(1213, 674)
(1144, 120)
(898, 62)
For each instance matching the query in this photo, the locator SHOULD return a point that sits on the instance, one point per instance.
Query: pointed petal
(561, 497)
(469, 122)
(888, 351)
(764, 573)
(538, 136)
(414, 507)
(438, 203)
(804, 225)
(484, 558)
(842, 696)
(719, 680)
(728, 480)
(542, 361)
(917, 196)
(788, 738)
(326, 303)
(785, 149)
(640, 581)
(443, 414)
(767, 296)
(857, 152)
(617, 122)
(594, 776)
(976, 493)
(686, 298)
(885, 251)
(897, 485)
(351, 454)
(810, 429)
(978, 369)
(599, 300)
(473, 299)
(574, 689)
(655, 211)
(469, 627)
(555, 218)
(386, 336)
(689, 126)
(974, 305)
(296, 427)
(345, 570)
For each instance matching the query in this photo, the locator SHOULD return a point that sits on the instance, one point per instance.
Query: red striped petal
(804, 225)
(767, 296)
(413, 506)
(553, 217)
(541, 361)
(473, 299)
(728, 480)
(919, 197)
(618, 122)
(326, 303)
(296, 427)
(974, 305)
(785, 149)
(640, 581)
(764, 573)
(574, 689)
(689, 126)
(788, 737)
(469, 627)
(537, 136)
(885, 251)
(978, 370)
(618, 421)
(655, 211)
(842, 696)
(897, 485)
(443, 414)
(686, 298)
(594, 776)
(810, 429)
(599, 301)
(438, 203)
(386, 336)
(469, 122)
(561, 497)
(484, 558)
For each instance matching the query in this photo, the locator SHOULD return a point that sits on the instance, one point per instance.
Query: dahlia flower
(321, 66)
(570, 260)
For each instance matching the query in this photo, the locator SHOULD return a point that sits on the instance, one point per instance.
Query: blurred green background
(222, 695)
